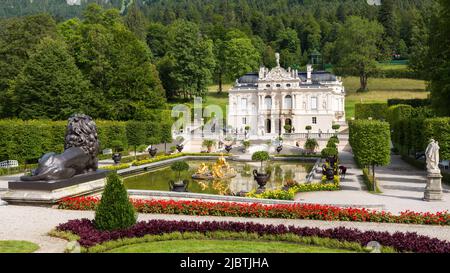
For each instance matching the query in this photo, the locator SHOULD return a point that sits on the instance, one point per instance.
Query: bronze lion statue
(80, 152)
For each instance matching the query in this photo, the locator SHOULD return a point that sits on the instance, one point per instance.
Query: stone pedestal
(47, 193)
(433, 190)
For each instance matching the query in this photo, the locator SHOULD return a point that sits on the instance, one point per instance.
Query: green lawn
(223, 246)
(17, 247)
(380, 90)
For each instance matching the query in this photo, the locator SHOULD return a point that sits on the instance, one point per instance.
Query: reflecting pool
(283, 172)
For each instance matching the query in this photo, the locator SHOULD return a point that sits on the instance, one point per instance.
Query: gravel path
(33, 223)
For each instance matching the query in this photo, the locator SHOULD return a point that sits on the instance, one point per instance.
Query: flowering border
(401, 242)
(257, 210)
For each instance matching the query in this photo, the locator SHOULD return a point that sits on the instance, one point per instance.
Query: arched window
(278, 85)
(268, 102)
(288, 102)
(268, 126)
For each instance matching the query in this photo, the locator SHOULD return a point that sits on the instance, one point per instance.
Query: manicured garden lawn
(17, 247)
(223, 246)
(380, 90)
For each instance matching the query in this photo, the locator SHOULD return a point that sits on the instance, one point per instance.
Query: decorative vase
(179, 186)
(228, 148)
(261, 178)
(180, 147)
(279, 148)
(152, 151)
(117, 157)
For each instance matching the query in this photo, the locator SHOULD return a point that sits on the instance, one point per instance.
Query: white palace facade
(267, 101)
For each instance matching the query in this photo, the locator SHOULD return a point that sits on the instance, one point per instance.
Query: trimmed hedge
(26, 141)
(371, 110)
(370, 141)
(412, 102)
(439, 130)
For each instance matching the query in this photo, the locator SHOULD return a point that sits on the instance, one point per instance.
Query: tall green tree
(289, 47)
(240, 57)
(387, 17)
(50, 85)
(18, 40)
(193, 59)
(439, 59)
(357, 48)
(117, 63)
(136, 22)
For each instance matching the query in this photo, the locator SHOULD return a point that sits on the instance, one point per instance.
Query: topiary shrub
(371, 110)
(260, 156)
(179, 167)
(329, 152)
(115, 210)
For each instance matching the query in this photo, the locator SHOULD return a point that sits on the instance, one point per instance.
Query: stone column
(433, 190)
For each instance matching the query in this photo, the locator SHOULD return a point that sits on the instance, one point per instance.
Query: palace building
(269, 100)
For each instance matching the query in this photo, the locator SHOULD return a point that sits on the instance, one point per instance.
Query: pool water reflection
(283, 173)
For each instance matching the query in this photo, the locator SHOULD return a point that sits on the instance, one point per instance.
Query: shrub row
(165, 157)
(27, 141)
(371, 110)
(370, 141)
(368, 180)
(403, 242)
(294, 211)
(289, 194)
(412, 102)
(411, 135)
(397, 74)
(218, 235)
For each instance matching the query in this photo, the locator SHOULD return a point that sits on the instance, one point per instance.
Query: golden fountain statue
(219, 170)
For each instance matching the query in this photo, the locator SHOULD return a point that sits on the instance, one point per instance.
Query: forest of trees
(124, 61)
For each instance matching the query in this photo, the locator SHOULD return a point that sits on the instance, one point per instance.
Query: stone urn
(152, 151)
(179, 186)
(117, 157)
(180, 147)
(279, 148)
(329, 174)
(228, 148)
(261, 179)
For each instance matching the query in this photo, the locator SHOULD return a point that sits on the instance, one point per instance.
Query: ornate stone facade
(269, 100)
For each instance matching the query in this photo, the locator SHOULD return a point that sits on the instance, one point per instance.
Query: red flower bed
(294, 211)
(403, 242)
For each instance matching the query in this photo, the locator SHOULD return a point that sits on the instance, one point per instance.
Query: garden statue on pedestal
(433, 190)
(80, 153)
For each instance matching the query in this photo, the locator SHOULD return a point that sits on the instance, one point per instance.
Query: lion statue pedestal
(74, 172)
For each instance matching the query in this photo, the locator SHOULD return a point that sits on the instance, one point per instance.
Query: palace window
(243, 104)
(267, 85)
(288, 85)
(288, 102)
(268, 102)
(314, 120)
(278, 85)
(314, 103)
(244, 120)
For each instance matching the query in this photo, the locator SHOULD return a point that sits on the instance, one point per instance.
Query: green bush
(370, 141)
(27, 141)
(115, 210)
(311, 144)
(439, 130)
(371, 110)
(260, 156)
(329, 152)
(413, 102)
(398, 112)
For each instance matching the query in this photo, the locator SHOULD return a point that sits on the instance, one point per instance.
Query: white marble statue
(432, 155)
